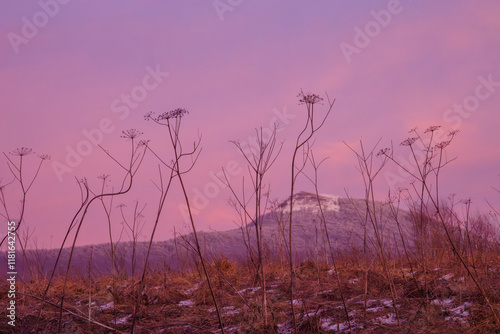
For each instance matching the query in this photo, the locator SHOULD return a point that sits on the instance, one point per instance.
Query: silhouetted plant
(259, 162)
(130, 168)
(172, 120)
(310, 128)
(430, 164)
(18, 171)
(369, 172)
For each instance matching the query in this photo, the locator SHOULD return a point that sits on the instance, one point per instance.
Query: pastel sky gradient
(234, 70)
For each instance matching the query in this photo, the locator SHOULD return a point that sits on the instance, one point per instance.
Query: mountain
(344, 218)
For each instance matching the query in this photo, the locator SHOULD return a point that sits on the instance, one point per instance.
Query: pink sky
(234, 68)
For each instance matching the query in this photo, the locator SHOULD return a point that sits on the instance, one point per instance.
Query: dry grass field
(174, 302)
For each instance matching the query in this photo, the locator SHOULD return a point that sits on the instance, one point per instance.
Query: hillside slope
(345, 220)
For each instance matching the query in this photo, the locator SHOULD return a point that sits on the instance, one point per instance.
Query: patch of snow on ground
(447, 277)
(107, 306)
(389, 319)
(375, 309)
(386, 302)
(190, 291)
(354, 281)
(369, 302)
(233, 329)
(122, 321)
(313, 313)
(329, 325)
(250, 290)
(444, 302)
(459, 313)
(188, 302)
(230, 310)
(325, 292)
(285, 328)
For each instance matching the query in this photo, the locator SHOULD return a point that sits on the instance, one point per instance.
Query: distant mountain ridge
(345, 220)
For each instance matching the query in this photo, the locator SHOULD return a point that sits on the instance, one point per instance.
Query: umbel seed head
(131, 134)
(309, 98)
(22, 151)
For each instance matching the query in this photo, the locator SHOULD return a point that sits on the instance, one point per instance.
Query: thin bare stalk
(135, 161)
(310, 128)
(314, 181)
(172, 120)
(434, 199)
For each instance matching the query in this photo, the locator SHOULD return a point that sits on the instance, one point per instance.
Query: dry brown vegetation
(174, 302)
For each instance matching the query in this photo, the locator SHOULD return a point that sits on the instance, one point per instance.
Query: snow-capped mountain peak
(304, 201)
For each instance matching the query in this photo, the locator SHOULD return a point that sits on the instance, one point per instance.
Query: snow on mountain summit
(309, 202)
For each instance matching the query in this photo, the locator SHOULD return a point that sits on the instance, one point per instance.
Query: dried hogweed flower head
(309, 98)
(22, 151)
(82, 181)
(44, 156)
(383, 151)
(176, 113)
(432, 128)
(443, 144)
(148, 115)
(103, 176)
(131, 134)
(409, 141)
